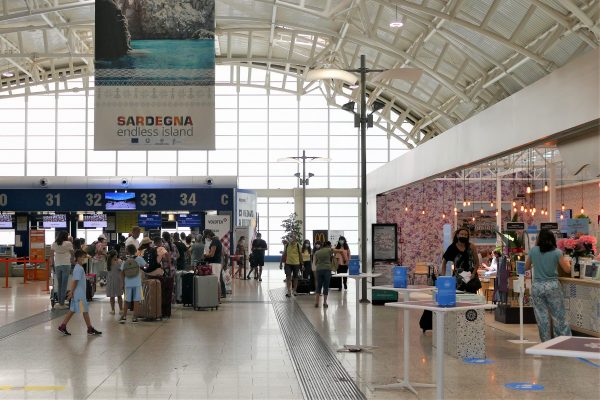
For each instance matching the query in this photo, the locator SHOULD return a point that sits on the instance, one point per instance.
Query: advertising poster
(483, 229)
(246, 209)
(221, 226)
(333, 236)
(319, 236)
(37, 244)
(154, 75)
(385, 241)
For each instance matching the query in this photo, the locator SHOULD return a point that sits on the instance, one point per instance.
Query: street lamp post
(364, 120)
(304, 181)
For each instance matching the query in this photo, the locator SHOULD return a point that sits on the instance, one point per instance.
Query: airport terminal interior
(390, 128)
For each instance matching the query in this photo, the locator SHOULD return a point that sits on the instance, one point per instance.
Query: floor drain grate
(320, 373)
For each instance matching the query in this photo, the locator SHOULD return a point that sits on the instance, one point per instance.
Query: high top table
(405, 383)
(357, 278)
(439, 314)
(568, 346)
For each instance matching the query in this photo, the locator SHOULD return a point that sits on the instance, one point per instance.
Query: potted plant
(292, 225)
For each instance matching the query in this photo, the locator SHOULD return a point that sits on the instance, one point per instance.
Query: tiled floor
(239, 352)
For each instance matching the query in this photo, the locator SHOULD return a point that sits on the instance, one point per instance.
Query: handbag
(334, 263)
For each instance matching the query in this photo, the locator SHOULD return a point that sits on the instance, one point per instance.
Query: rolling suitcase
(151, 304)
(178, 286)
(187, 289)
(335, 283)
(90, 286)
(305, 286)
(206, 292)
(166, 285)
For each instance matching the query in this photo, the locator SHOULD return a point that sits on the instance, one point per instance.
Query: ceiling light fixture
(396, 23)
(8, 74)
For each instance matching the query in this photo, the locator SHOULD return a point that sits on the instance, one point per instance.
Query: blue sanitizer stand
(521, 288)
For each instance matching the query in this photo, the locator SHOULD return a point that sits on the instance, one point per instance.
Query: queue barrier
(28, 273)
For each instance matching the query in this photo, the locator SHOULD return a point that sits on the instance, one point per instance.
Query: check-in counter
(582, 304)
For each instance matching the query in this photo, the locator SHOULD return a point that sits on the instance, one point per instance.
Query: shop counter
(582, 304)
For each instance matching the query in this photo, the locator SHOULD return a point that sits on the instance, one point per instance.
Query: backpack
(131, 269)
(151, 258)
(91, 249)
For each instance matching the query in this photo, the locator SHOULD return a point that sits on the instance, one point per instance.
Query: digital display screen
(6, 221)
(150, 221)
(191, 220)
(94, 221)
(120, 200)
(54, 221)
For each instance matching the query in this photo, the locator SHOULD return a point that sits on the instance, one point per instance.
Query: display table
(465, 333)
(582, 304)
(405, 383)
(568, 346)
(357, 278)
(439, 314)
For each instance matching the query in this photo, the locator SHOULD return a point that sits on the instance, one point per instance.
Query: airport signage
(65, 200)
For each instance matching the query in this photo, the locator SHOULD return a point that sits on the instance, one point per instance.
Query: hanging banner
(221, 226)
(246, 209)
(154, 75)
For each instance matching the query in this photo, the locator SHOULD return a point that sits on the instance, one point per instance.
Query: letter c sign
(225, 199)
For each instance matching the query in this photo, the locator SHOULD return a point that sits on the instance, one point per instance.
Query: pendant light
(423, 198)
(545, 179)
(582, 210)
(464, 190)
(528, 170)
(562, 205)
(396, 23)
(443, 198)
(405, 205)
(455, 199)
(481, 191)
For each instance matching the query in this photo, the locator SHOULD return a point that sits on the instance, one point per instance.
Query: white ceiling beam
(475, 28)
(581, 16)
(7, 16)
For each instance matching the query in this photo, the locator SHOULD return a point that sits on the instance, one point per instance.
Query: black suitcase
(335, 283)
(305, 286)
(187, 290)
(426, 321)
(90, 286)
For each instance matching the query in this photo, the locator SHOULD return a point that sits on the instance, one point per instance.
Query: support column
(499, 207)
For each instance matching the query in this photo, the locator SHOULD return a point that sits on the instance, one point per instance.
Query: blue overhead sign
(95, 199)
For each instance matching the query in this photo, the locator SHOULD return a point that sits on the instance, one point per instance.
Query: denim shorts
(133, 294)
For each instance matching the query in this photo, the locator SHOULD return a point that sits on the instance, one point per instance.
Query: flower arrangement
(584, 245)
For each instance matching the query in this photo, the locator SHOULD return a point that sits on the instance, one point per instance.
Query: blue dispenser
(446, 291)
(400, 276)
(354, 267)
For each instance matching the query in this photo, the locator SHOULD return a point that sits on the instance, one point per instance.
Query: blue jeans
(323, 279)
(62, 279)
(548, 304)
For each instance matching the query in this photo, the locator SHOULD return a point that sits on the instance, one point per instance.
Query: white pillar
(499, 206)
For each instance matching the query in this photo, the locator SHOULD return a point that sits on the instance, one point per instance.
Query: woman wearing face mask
(342, 258)
(307, 252)
(463, 254)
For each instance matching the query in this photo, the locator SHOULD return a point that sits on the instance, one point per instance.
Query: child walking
(132, 280)
(77, 296)
(114, 284)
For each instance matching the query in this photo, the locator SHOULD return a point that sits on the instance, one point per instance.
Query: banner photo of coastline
(154, 75)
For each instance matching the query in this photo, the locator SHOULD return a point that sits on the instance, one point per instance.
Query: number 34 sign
(95, 199)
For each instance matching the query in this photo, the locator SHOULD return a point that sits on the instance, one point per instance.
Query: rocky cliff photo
(169, 19)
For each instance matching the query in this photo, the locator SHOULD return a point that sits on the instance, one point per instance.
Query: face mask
(341, 241)
(463, 239)
(317, 247)
(207, 240)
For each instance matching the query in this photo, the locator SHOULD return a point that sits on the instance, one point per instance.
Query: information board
(198, 199)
